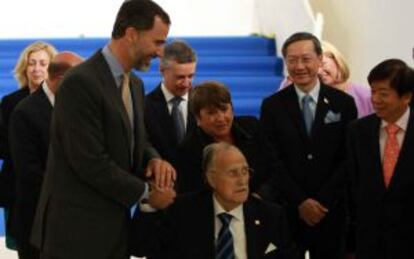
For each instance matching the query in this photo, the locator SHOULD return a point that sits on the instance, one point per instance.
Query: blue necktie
(178, 119)
(224, 245)
(307, 113)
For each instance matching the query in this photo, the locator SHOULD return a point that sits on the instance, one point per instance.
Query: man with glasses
(222, 222)
(306, 123)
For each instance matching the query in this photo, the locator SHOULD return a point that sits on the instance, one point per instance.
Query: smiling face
(329, 72)
(147, 44)
(388, 105)
(178, 78)
(303, 63)
(216, 122)
(228, 178)
(36, 71)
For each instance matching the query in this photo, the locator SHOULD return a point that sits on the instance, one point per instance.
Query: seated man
(222, 222)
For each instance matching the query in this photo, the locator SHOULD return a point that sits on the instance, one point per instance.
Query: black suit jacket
(248, 138)
(7, 184)
(186, 230)
(384, 216)
(91, 178)
(160, 125)
(29, 142)
(314, 165)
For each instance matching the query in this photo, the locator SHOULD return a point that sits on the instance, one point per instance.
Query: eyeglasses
(237, 172)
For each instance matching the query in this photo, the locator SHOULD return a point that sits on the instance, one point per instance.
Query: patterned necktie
(224, 245)
(307, 113)
(178, 118)
(391, 152)
(126, 98)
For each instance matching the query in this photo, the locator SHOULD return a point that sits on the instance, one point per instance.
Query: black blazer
(29, 142)
(160, 125)
(186, 230)
(91, 178)
(7, 184)
(248, 138)
(384, 216)
(314, 165)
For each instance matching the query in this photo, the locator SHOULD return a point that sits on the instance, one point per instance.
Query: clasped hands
(312, 212)
(163, 176)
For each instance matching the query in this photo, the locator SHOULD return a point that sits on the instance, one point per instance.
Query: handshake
(161, 191)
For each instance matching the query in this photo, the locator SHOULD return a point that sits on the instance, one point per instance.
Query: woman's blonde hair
(22, 62)
(330, 51)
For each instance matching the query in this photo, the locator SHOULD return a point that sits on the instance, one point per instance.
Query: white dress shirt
(49, 94)
(314, 94)
(236, 228)
(402, 122)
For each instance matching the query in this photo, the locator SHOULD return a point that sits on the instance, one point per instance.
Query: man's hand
(162, 173)
(312, 212)
(161, 198)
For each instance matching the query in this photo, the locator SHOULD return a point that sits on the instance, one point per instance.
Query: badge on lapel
(332, 117)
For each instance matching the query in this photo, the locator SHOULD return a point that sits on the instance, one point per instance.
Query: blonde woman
(335, 72)
(30, 71)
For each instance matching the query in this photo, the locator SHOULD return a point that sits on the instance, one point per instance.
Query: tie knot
(392, 129)
(225, 218)
(306, 99)
(176, 101)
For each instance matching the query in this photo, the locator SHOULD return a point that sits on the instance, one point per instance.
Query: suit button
(309, 156)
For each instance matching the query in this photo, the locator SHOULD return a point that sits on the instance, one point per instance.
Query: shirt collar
(49, 94)
(114, 66)
(314, 93)
(402, 122)
(237, 212)
(168, 95)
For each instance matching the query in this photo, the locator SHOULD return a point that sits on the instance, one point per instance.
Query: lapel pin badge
(257, 222)
(325, 100)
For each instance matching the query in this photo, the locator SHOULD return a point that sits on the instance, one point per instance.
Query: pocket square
(331, 117)
(270, 248)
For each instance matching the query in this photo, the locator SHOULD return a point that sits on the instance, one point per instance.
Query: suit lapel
(112, 93)
(322, 108)
(406, 152)
(252, 226)
(207, 246)
(164, 116)
(292, 105)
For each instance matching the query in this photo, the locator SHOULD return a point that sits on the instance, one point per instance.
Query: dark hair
(299, 36)
(210, 94)
(397, 72)
(178, 51)
(139, 14)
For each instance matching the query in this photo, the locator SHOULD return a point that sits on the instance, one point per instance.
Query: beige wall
(368, 31)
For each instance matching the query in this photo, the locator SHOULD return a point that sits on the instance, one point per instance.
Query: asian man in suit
(167, 116)
(29, 142)
(222, 222)
(381, 150)
(306, 123)
(98, 146)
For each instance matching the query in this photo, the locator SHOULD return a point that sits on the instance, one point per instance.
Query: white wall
(51, 18)
(369, 31)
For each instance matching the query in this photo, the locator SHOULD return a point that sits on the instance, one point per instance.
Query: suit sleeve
(29, 165)
(281, 182)
(78, 125)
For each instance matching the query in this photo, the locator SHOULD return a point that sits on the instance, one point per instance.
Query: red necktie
(391, 152)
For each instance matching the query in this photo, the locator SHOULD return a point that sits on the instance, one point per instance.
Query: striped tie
(224, 246)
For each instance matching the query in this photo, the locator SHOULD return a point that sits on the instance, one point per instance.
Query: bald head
(62, 62)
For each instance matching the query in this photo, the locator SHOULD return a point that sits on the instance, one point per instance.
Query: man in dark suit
(29, 142)
(98, 146)
(306, 124)
(177, 67)
(193, 228)
(381, 148)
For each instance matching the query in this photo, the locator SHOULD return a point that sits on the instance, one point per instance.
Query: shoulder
(15, 96)
(270, 210)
